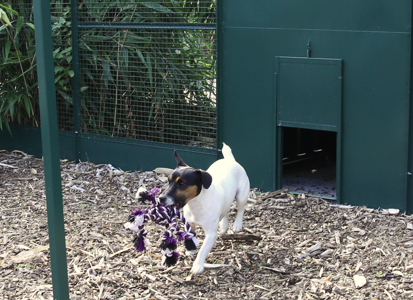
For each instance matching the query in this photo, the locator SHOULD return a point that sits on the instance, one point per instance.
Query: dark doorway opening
(309, 161)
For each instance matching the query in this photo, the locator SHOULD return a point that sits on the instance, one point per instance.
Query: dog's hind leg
(223, 224)
(242, 199)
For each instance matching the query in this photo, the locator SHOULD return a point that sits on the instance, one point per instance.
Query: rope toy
(167, 216)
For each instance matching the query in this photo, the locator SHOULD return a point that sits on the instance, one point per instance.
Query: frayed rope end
(170, 258)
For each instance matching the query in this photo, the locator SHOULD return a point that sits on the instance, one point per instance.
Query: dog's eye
(180, 183)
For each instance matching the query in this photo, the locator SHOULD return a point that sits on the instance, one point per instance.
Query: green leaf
(125, 56)
(157, 6)
(27, 104)
(12, 101)
(92, 38)
(58, 78)
(6, 123)
(71, 73)
(9, 10)
(141, 56)
(30, 25)
(57, 69)
(66, 97)
(4, 18)
(19, 24)
(7, 51)
(106, 75)
(149, 65)
(56, 51)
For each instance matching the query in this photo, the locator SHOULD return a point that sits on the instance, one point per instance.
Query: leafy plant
(149, 83)
(18, 85)
(147, 68)
(17, 89)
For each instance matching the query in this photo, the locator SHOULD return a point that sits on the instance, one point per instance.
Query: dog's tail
(227, 152)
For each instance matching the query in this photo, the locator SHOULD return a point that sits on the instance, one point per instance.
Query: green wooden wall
(373, 41)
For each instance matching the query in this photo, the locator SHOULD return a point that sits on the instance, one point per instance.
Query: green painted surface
(50, 134)
(308, 93)
(373, 41)
(138, 155)
(126, 154)
(29, 140)
(340, 15)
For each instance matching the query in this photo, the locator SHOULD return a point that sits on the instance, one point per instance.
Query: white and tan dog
(206, 197)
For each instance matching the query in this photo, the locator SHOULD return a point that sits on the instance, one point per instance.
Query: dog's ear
(206, 179)
(179, 160)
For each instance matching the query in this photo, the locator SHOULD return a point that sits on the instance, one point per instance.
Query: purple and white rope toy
(167, 216)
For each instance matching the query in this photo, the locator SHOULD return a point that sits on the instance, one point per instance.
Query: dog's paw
(237, 227)
(197, 268)
(223, 225)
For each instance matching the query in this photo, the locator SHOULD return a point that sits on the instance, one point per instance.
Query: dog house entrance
(309, 161)
(308, 108)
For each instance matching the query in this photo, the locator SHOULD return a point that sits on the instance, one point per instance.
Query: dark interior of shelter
(309, 161)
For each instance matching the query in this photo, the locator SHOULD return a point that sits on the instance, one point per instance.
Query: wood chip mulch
(291, 247)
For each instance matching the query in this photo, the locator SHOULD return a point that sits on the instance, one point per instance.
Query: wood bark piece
(8, 166)
(274, 194)
(315, 247)
(359, 281)
(275, 270)
(215, 266)
(240, 236)
(166, 171)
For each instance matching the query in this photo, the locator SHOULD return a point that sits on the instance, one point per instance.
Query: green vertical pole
(50, 145)
(219, 32)
(76, 79)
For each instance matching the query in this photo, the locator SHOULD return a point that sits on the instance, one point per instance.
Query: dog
(206, 197)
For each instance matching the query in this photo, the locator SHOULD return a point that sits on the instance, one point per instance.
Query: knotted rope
(167, 216)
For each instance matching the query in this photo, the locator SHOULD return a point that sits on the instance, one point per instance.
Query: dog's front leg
(210, 238)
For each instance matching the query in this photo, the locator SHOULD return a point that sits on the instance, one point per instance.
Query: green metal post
(219, 29)
(50, 144)
(76, 79)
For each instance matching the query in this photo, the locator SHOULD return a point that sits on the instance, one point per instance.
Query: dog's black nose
(162, 199)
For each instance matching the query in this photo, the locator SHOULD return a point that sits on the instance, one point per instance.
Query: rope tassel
(167, 216)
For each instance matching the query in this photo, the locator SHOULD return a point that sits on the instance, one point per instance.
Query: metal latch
(308, 49)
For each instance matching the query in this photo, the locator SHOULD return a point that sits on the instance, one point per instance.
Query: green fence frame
(51, 159)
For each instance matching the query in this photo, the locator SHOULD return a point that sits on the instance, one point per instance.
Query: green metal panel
(339, 15)
(308, 93)
(375, 49)
(139, 155)
(126, 154)
(29, 140)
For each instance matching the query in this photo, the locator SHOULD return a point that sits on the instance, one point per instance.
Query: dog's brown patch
(189, 193)
(177, 179)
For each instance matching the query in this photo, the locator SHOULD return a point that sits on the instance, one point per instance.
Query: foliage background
(147, 69)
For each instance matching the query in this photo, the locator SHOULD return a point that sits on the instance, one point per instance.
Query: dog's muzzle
(166, 200)
(169, 201)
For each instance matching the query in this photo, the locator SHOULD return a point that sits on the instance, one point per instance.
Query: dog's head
(185, 183)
